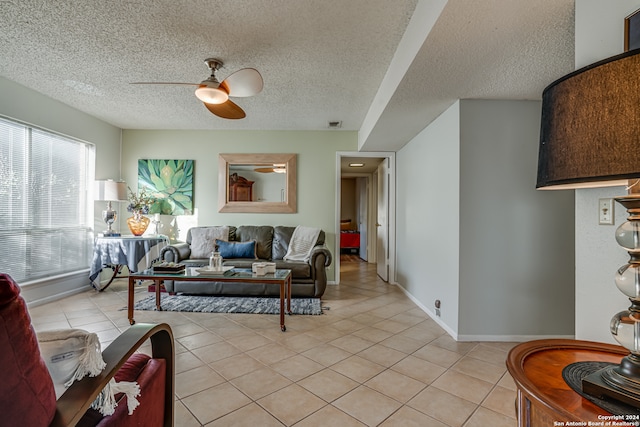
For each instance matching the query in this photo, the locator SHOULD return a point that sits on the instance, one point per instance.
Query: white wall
(473, 232)
(315, 171)
(599, 35)
(428, 217)
(25, 105)
(516, 243)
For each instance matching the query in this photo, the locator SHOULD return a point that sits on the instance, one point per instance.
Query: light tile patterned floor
(373, 359)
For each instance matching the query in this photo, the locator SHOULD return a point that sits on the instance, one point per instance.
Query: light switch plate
(605, 211)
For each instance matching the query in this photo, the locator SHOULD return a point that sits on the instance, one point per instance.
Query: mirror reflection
(257, 183)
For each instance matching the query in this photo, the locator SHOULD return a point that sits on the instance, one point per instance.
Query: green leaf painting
(170, 182)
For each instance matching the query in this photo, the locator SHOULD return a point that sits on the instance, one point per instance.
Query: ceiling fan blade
(226, 110)
(164, 83)
(264, 170)
(244, 82)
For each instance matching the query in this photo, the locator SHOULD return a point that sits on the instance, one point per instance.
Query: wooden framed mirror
(257, 183)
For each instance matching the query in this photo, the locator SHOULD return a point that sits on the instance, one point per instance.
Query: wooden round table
(544, 399)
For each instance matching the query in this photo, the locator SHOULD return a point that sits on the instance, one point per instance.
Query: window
(45, 202)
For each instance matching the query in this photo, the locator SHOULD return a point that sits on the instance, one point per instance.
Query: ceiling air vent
(334, 125)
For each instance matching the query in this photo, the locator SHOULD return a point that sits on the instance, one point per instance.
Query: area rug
(213, 304)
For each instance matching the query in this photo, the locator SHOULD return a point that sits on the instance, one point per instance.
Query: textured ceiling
(321, 60)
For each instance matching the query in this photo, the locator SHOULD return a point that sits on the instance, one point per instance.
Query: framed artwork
(632, 31)
(170, 182)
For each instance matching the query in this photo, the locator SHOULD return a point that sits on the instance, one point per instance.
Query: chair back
(27, 395)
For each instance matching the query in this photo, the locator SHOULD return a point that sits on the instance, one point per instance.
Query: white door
(362, 190)
(382, 223)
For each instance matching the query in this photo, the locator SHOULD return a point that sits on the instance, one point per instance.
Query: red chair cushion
(150, 375)
(27, 396)
(151, 410)
(132, 367)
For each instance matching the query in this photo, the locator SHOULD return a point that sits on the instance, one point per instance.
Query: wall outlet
(605, 209)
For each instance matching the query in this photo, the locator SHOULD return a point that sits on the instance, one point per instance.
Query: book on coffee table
(168, 267)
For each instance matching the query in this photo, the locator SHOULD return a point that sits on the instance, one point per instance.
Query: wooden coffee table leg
(158, 284)
(289, 295)
(282, 291)
(130, 306)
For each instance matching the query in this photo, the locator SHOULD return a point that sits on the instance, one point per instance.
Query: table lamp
(590, 137)
(110, 191)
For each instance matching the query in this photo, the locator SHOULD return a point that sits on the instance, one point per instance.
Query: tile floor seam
(300, 420)
(364, 311)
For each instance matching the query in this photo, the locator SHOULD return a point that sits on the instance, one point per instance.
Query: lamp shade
(211, 95)
(110, 190)
(590, 129)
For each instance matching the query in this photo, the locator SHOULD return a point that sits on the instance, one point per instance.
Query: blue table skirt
(137, 253)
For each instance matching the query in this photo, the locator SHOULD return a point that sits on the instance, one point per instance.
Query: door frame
(391, 156)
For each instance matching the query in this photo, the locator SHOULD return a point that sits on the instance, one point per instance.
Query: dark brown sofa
(309, 279)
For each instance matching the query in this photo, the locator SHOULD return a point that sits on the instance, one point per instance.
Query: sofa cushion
(281, 238)
(262, 234)
(299, 269)
(237, 249)
(232, 233)
(203, 240)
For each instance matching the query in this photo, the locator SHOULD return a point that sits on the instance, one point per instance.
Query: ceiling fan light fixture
(211, 95)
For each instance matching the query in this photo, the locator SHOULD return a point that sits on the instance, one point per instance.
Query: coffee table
(280, 277)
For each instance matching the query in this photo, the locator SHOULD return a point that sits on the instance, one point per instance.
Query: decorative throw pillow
(237, 249)
(203, 240)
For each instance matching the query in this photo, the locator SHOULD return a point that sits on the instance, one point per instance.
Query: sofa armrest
(320, 259)
(75, 401)
(320, 250)
(176, 252)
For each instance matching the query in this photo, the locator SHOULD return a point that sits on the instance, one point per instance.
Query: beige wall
(316, 172)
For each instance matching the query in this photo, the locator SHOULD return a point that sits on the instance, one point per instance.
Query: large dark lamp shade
(590, 137)
(590, 128)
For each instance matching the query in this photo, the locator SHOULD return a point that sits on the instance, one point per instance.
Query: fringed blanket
(302, 242)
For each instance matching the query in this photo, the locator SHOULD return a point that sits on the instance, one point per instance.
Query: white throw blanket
(302, 242)
(72, 354)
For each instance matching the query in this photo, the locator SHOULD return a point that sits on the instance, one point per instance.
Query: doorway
(365, 214)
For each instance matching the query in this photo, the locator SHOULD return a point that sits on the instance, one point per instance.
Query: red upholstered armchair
(27, 396)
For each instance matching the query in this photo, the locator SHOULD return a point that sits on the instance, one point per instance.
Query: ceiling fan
(215, 95)
(277, 168)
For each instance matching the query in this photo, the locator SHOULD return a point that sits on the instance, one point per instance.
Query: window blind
(45, 206)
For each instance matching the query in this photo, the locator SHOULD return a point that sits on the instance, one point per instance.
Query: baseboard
(512, 338)
(477, 338)
(431, 314)
(52, 298)
(54, 288)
